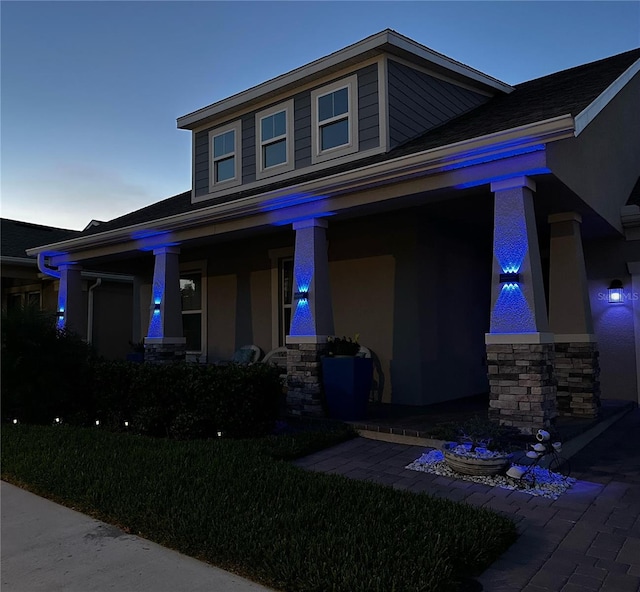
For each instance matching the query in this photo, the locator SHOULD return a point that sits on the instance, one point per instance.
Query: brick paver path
(589, 539)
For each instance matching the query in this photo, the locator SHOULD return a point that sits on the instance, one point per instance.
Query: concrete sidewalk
(49, 548)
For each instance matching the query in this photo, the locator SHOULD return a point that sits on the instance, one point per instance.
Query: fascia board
(27, 262)
(430, 161)
(591, 111)
(376, 43)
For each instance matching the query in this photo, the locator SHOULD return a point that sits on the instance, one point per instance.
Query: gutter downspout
(90, 307)
(44, 268)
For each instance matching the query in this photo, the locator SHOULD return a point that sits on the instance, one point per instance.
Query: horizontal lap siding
(419, 102)
(368, 108)
(248, 148)
(201, 163)
(302, 129)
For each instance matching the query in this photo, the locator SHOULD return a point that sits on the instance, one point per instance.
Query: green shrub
(45, 371)
(232, 504)
(187, 401)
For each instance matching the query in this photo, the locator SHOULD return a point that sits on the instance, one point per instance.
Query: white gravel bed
(538, 481)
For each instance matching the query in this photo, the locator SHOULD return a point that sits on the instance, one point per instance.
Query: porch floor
(419, 421)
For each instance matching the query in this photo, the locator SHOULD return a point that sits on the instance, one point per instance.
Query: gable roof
(17, 236)
(567, 92)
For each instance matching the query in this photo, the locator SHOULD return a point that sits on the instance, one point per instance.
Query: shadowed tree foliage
(45, 370)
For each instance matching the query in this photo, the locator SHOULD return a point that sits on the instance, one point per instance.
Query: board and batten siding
(368, 132)
(419, 102)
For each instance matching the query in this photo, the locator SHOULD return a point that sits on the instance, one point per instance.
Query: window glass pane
(287, 325)
(275, 153)
(191, 291)
(334, 134)
(325, 107)
(340, 101)
(33, 299)
(267, 128)
(287, 280)
(223, 144)
(279, 124)
(225, 169)
(192, 330)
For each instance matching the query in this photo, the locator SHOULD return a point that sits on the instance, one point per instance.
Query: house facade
(468, 231)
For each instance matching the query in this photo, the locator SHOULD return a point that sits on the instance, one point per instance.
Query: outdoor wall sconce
(301, 295)
(511, 277)
(60, 314)
(156, 307)
(615, 292)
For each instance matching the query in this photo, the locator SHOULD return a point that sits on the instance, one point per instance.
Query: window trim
(214, 185)
(263, 172)
(277, 256)
(319, 155)
(200, 267)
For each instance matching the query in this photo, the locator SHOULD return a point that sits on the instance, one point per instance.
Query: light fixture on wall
(156, 307)
(301, 295)
(510, 277)
(616, 295)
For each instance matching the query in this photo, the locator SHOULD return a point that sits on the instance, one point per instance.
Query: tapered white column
(165, 339)
(312, 318)
(70, 309)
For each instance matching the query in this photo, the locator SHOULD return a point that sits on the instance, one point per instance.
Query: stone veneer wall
(304, 378)
(523, 390)
(577, 372)
(164, 353)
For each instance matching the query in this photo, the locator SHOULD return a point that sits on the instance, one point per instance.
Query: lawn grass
(238, 505)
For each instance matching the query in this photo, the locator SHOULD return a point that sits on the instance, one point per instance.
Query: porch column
(70, 309)
(520, 349)
(311, 320)
(576, 366)
(634, 270)
(164, 341)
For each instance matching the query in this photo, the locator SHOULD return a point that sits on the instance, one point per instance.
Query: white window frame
(261, 171)
(277, 256)
(198, 267)
(319, 155)
(214, 185)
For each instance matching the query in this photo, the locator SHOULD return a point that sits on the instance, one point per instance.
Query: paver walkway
(588, 539)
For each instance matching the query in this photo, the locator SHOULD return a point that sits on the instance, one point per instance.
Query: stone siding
(164, 353)
(523, 390)
(304, 378)
(577, 372)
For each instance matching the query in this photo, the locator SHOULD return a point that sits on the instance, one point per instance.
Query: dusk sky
(91, 90)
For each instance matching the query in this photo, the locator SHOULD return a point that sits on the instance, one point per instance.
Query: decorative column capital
(310, 223)
(565, 217)
(166, 251)
(513, 183)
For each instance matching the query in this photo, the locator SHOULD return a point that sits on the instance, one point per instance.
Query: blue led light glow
(155, 324)
(511, 313)
(496, 178)
(483, 157)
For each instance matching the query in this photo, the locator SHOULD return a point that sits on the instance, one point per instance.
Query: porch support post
(312, 318)
(577, 368)
(520, 349)
(164, 341)
(634, 270)
(70, 309)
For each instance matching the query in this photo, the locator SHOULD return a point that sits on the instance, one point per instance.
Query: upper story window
(274, 130)
(335, 119)
(225, 156)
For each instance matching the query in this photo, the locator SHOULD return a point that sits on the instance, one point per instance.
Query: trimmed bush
(45, 371)
(232, 504)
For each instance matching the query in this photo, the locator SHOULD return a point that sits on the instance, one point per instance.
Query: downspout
(90, 307)
(42, 266)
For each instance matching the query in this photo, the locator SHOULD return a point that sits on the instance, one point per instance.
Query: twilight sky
(91, 90)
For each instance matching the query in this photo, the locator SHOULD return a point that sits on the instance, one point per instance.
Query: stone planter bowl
(474, 466)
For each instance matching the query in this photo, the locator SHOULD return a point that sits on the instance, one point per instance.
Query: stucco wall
(613, 323)
(602, 164)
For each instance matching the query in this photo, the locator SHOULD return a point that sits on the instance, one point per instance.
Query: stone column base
(304, 378)
(523, 391)
(164, 353)
(577, 371)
